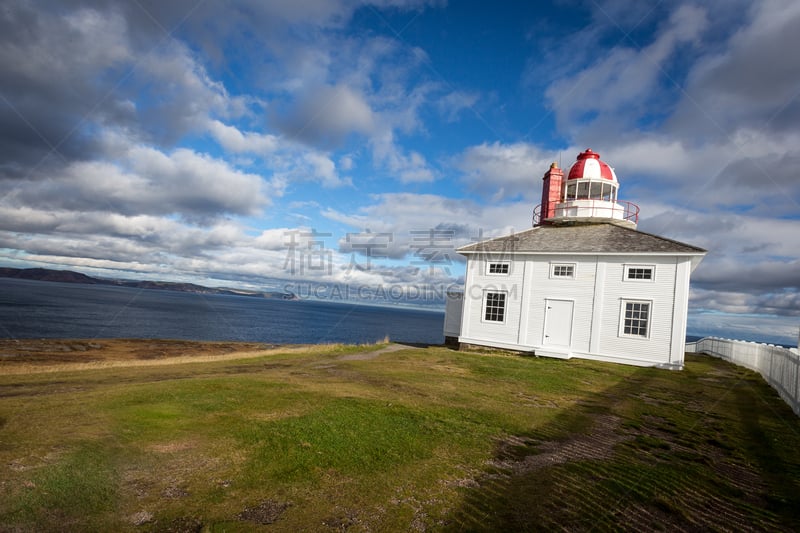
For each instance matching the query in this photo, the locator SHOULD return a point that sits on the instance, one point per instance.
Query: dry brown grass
(35, 356)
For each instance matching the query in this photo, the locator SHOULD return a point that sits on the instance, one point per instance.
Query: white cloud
(747, 255)
(235, 141)
(179, 93)
(346, 163)
(65, 48)
(752, 81)
(324, 169)
(326, 115)
(288, 161)
(452, 105)
(275, 238)
(751, 172)
(501, 171)
(187, 182)
(411, 167)
(377, 98)
(145, 180)
(743, 326)
(615, 90)
(407, 217)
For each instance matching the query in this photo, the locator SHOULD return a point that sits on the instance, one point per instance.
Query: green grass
(412, 439)
(78, 490)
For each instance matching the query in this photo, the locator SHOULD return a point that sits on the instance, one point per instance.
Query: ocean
(42, 309)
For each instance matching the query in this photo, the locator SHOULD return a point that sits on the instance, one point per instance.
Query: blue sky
(225, 143)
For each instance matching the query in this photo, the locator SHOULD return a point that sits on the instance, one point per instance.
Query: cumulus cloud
(177, 94)
(236, 141)
(752, 81)
(71, 73)
(612, 92)
(375, 101)
(759, 279)
(752, 172)
(411, 225)
(743, 326)
(500, 171)
(187, 182)
(99, 236)
(405, 166)
(452, 105)
(751, 266)
(49, 64)
(289, 161)
(327, 115)
(106, 93)
(324, 169)
(148, 181)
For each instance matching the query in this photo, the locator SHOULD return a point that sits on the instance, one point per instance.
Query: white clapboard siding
(478, 282)
(656, 348)
(598, 290)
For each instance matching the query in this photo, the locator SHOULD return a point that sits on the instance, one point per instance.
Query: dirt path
(365, 356)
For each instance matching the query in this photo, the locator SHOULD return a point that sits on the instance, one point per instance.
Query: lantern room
(589, 194)
(591, 179)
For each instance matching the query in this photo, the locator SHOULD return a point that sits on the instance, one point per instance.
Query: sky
(349, 143)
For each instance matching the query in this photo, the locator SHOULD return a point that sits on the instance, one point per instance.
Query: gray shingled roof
(583, 238)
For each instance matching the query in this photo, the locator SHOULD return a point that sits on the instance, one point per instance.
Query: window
(635, 319)
(639, 272)
(596, 190)
(494, 307)
(608, 192)
(562, 270)
(499, 268)
(570, 191)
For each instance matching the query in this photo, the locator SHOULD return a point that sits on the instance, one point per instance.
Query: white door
(558, 323)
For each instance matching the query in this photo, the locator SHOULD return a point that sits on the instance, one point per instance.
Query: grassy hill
(394, 439)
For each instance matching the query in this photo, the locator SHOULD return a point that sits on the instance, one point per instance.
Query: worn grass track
(373, 439)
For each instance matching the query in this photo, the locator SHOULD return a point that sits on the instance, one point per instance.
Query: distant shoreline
(339, 293)
(69, 276)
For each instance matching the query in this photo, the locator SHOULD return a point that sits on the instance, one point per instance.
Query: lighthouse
(582, 282)
(589, 194)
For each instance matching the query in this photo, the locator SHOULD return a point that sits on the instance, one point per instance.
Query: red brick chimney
(551, 192)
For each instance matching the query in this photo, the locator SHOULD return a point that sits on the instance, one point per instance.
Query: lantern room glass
(590, 190)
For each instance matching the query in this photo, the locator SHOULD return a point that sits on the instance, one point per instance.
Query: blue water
(39, 309)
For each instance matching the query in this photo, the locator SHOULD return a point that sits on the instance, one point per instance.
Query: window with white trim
(639, 272)
(498, 267)
(494, 306)
(635, 320)
(562, 270)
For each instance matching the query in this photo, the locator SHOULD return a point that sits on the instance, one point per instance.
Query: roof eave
(699, 253)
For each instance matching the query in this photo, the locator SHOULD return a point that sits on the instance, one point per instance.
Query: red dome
(589, 166)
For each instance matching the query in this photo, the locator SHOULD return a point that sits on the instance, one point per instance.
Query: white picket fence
(779, 366)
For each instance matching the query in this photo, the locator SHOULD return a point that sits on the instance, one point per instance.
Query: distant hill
(44, 274)
(68, 276)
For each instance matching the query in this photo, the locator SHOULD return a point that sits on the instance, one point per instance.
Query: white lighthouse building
(582, 282)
